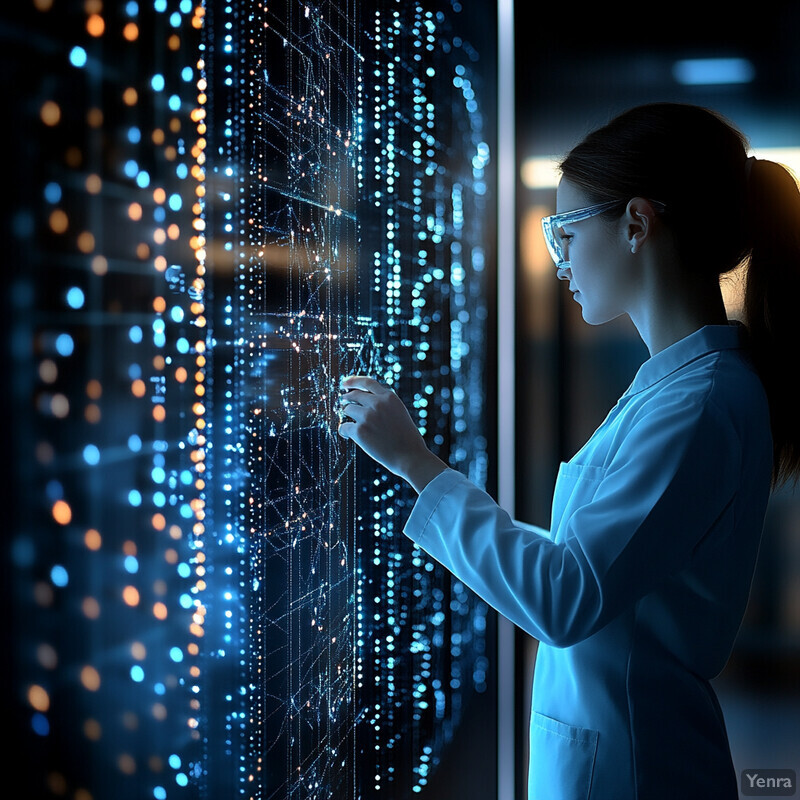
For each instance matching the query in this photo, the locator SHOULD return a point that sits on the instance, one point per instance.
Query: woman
(637, 590)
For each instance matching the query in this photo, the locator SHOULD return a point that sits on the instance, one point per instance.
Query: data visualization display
(225, 208)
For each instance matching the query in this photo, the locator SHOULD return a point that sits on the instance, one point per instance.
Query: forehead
(569, 197)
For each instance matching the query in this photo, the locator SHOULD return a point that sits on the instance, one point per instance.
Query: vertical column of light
(506, 457)
(198, 437)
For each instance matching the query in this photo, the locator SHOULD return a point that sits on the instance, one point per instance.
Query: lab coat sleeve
(672, 477)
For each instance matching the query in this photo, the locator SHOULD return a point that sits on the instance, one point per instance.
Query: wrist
(422, 468)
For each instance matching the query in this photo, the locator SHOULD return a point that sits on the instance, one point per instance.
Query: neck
(671, 309)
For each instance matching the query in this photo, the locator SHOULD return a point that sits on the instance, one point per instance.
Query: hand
(383, 428)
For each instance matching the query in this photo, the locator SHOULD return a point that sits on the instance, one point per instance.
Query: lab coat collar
(708, 339)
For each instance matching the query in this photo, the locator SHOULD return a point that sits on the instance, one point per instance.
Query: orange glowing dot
(174, 42)
(92, 413)
(48, 371)
(159, 414)
(199, 409)
(171, 556)
(181, 374)
(143, 250)
(94, 389)
(200, 390)
(159, 711)
(159, 236)
(43, 5)
(138, 388)
(90, 678)
(126, 764)
(100, 265)
(159, 362)
(160, 611)
(50, 113)
(138, 651)
(92, 539)
(95, 25)
(159, 305)
(159, 522)
(175, 531)
(90, 607)
(201, 362)
(86, 242)
(130, 96)
(73, 157)
(159, 195)
(59, 405)
(38, 698)
(59, 222)
(130, 595)
(131, 31)
(92, 730)
(173, 232)
(135, 211)
(160, 263)
(62, 513)
(175, 125)
(94, 183)
(94, 117)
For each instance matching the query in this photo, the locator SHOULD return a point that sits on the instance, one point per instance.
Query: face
(599, 274)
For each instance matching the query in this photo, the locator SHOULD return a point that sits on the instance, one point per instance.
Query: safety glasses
(551, 224)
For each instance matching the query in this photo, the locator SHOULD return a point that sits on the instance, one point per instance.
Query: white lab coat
(637, 591)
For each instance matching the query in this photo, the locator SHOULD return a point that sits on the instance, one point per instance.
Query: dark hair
(724, 211)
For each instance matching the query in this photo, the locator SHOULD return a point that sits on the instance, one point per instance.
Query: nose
(564, 273)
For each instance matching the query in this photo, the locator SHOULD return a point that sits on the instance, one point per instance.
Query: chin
(597, 316)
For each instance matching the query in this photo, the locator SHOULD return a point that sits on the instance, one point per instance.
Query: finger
(346, 429)
(364, 383)
(358, 396)
(355, 411)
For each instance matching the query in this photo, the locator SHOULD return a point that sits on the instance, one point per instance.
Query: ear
(639, 220)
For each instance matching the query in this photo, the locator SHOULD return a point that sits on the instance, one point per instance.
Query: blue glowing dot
(77, 56)
(131, 168)
(135, 334)
(175, 202)
(91, 454)
(52, 192)
(159, 499)
(186, 6)
(64, 344)
(175, 19)
(160, 5)
(158, 475)
(175, 761)
(174, 103)
(131, 564)
(134, 443)
(182, 171)
(182, 345)
(132, 8)
(40, 724)
(181, 779)
(135, 497)
(75, 297)
(177, 314)
(186, 511)
(159, 688)
(184, 570)
(157, 82)
(137, 673)
(186, 601)
(134, 135)
(187, 74)
(160, 793)
(143, 179)
(176, 654)
(158, 326)
(59, 575)
(186, 477)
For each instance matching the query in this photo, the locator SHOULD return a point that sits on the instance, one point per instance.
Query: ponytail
(772, 291)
